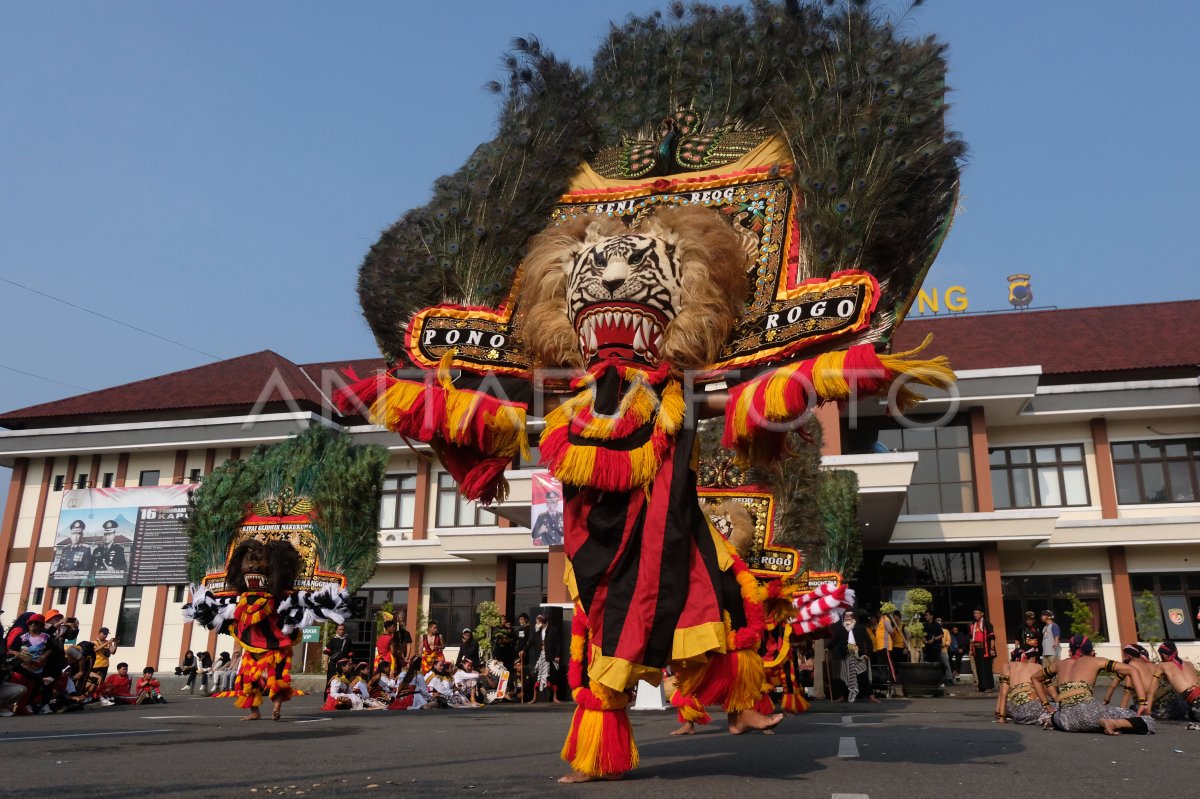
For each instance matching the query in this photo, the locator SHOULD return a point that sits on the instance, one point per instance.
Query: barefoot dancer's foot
(254, 716)
(749, 720)
(688, 728)
(579, 776)
(278, 709)
(1113, 726)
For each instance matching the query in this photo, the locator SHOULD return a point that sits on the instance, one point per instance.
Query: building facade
(1066, 464)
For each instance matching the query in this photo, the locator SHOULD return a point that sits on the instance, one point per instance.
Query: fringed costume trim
(600, 740)
(761, 411)
(476, 434)
(260, 673)
(583, 447)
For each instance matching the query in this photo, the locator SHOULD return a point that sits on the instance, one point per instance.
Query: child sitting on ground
(149, 690)
(117, 689)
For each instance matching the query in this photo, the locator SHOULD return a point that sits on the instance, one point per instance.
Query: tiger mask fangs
(668, 290)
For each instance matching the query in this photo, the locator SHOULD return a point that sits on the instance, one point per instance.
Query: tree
(916, 602)
(1082, 622)
(489, 619)
(1149, 618)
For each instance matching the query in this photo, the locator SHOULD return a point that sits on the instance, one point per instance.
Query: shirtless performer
(1078, 710)
(1163, 701)
(1018, 699)
(1182, 676)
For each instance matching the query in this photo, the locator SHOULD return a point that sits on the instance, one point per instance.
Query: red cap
(36, 618)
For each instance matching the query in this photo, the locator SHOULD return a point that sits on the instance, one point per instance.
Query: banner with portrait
(121, 536)
(546, 513)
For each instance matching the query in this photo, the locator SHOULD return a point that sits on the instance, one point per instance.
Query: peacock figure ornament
(729, 212)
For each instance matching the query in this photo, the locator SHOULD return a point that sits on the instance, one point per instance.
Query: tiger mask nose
(614, 276)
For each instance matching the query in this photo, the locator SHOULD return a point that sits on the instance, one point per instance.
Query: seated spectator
(412, 692)
(187, 669)
(441, 686)
(148, 690)
(11, 694)
(204, 667)
(30, 651)
(117, 689)
(467, 682)
(382, 685)
(338, 693)
(224, 673)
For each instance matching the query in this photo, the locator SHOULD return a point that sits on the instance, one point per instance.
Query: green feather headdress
(318, 471)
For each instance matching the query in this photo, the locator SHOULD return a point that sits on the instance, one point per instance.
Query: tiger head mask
(668, 290)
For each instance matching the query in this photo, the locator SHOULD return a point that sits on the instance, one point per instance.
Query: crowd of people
(524, 666)
(45, 668)
(1061, 694)
(882, 642)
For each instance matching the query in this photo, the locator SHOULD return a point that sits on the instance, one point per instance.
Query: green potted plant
(917, 677)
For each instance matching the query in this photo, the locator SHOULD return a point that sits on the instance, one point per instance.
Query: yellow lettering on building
(956, 298)
(924, 303)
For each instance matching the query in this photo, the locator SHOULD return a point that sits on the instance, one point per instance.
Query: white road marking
(80, 735)
(848, 721)
(311, 721)
(190, 717)
(847, 747)
(849, 796)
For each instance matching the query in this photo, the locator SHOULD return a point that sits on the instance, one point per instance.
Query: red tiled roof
(1104, 339)
(260, 377)
(329, 375)
(1112, 338)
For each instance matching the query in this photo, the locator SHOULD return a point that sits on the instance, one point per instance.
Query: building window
(454, 609)
(81, 481)
(1038, 477)
(89, 595)
(194, 476)
(1181, 588)
(127, 620)
(38, 594)
(59, 480)
(399, 504)
(62, 596)
(954, 578)
(1050, 593)
(452, 509)
(366, 604)
(148, 478)
(942, 480)
(1157, 471)
(108, 480)
(177, 597)
(527, 587)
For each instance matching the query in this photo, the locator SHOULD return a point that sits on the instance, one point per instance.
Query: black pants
(982, 665)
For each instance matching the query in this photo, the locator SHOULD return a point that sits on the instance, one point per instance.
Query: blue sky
(214, 172)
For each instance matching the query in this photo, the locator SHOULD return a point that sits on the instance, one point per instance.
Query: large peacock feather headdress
(854, 110)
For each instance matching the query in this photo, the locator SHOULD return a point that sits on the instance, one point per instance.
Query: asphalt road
(946, 747)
